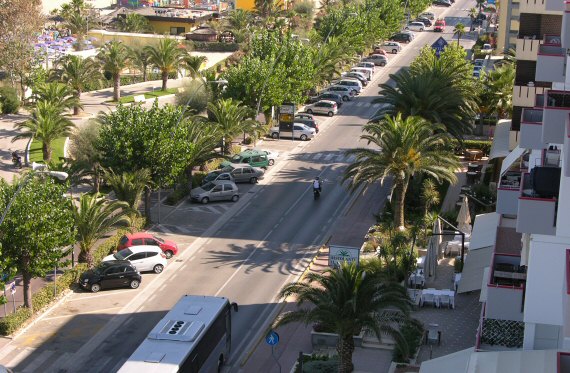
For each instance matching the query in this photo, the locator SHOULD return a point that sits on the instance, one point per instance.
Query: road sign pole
(5, 301)
(14, 302)
(275, 357)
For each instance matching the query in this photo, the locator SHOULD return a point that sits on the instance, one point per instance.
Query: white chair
(444, 300)
(428, 298)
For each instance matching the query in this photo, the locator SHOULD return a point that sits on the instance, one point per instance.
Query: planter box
(319, 339)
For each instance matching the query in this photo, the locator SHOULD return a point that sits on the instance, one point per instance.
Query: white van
(363, 70)
(353, 84)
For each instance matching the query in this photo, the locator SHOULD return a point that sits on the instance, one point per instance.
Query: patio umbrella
(433, 250)
(464, 217)
(525, 239)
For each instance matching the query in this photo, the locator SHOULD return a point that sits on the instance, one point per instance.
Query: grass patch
(36, 154)
(148, 95)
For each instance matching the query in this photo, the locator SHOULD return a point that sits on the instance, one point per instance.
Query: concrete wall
(550, 67)
(129, 39)
(527, 49)
(507, 203)
(553, 124)
(531, 136)
(504, 303)
(536, 215)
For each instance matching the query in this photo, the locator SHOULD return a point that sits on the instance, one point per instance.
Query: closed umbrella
(464, 217)
(525, 248)
(433, 250)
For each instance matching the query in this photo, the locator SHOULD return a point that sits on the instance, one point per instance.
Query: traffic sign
(11, 286)
(439, 45)
(272, 338)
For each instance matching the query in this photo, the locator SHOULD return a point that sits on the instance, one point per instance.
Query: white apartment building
(521, 254)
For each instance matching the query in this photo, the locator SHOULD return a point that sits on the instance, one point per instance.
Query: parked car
(215, 191)
(391, 46)
(111, 274)
(250, 157)
(415, 26)
(364, 71)
(369, 65)
(145, 258)
(299, 131)
(169, 248)
(217, 175)
(308, 120)
(377, 59)
(445, 3)
(272, 155)
(331, 96)
(326, 107)
(479, 62)
(357, 76)
(402, 37)
(428, 15)
(353, 84)
(427, 23)
(378, 51)
(439, 25)
(244, 173)
(487, 48)
(345, 92)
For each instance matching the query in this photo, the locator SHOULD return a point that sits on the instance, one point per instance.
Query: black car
(441, 2)
(331, 96)
(402, 37)
(111, 274)
(423, 20)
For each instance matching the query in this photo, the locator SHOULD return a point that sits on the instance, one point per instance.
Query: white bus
(195, 336)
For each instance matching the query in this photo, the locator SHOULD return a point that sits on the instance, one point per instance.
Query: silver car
(244, 173)
(215, 191)
(326, 107)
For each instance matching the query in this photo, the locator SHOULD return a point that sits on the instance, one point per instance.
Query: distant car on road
(331, 96)
(145, 258)
(428, 15)
(356, 75)
(169, 248)
(439, 25)
(111, 274)
(250, 157)
(308, 119)
(487, 48)
(271, 154)
(244, 173)
(427, 23)
(445, 3)
(376, 59)
(391, 46)
(346, 92)
(364, 71)
(415, 26)
(326, 107)
(217, 175)
(215, 191)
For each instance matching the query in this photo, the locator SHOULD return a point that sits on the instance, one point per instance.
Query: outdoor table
(455, 247)
(417, 278)
(437, 293)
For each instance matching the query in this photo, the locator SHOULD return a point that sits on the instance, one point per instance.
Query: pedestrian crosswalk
(212, 208)
(326, 157)
(31, 360)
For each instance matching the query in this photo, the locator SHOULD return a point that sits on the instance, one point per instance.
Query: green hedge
(9, 100)
(44, 297)
(215, 46)
(483, 145)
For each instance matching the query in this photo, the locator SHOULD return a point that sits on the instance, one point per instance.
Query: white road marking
(83, 313)
(328, 157)
(35, 365)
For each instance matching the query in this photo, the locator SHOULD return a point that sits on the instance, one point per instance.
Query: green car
(254, 158)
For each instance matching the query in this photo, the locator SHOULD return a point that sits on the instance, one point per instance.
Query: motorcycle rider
(317, 185)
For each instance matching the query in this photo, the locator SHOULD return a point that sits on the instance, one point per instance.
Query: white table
(455, 247)
(437, 294)
(421, 261)
(417, 278)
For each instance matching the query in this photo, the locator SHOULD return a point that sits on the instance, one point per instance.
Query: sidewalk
(349, 230)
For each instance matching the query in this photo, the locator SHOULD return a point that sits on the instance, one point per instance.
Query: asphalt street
(247, 253)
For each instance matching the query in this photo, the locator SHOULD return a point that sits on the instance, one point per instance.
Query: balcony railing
(508, 193)
(507, 333)
(540, 6)
(526, 95)
(536, 212)
(556, 109)
(550, 64)
(565, 29)
(527, 49)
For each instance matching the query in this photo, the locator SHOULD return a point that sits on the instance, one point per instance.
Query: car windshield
(211, 176)
(208, 186)
(236, 158)
(121, 255)
(158, 239)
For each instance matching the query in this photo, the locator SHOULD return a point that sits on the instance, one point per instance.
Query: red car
(142, 238)
(439, 25)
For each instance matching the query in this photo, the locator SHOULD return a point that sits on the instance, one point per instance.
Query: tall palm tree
(140, 59)
(238, 19)
(94, 218)
(78, 73)
(193, 64)
(129, 187)
(167, 56)
(345, 301)
(480, 4)
(402, 149)
(430, 195)
(134, 22)
(432, 96)
(459, 31)
(58, 94)
(229, 117)
(78, 24)
(499, 85)
(46, 124)
(114, 58)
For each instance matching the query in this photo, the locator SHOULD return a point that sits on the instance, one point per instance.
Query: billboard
(286, 116)
(340, 254)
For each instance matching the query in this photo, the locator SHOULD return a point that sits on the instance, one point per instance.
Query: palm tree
(78, 73)
(345, 301)
(129, 187)
(238, 19)
(193, 64)
(58, 94)
(46, 125)
(140, 59)
(78, 24)
(114, 58)
(134, 22)
(459, 31)
(430, 95)
(167, 56)
(430, 195)
(403, 148)
(229, 117)
(94, 218)
(499, 85)
(480, 4)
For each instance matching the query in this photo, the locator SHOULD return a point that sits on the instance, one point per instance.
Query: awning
(484, 283)
(484, 231)
(527, 361)
(474, 268)
(455, 362)
(501, 140)
(511, 158)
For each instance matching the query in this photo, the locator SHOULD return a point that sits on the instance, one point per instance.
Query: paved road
(247, 254)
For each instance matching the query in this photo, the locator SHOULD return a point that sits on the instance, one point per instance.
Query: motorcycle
(316, 193)
(17, 161)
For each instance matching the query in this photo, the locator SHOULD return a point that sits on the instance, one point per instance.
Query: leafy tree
(459, 31)
(140, 59)
(94, 218)
(498, 87)
(167, 56)
(345, 301)
(38, 224)
(57, 94)
(86, 157)
(402, 149)
(46, 124)
(78, 73)
(129, 187)
(229, 117)
(114, 58)
(134, 22)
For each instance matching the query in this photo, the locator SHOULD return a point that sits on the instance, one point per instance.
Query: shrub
(412, 332)
(197, 178)
(215, 46)
(304, 7)
(9, 100)
(14, 321)
(235, 149)
(176, 195)
(214, 164)
(195, 96)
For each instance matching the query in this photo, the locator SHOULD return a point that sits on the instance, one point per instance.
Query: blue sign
(272, 338)
(439, 46)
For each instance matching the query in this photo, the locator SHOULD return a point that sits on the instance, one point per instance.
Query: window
(224, 177)
(151, 241)
(113, 270)
(247, 171)
(246, 160)
(137, 256)
(124, 240)
(218, 188)
(137, 241)
(177, 30)
(150, 254)
(228, 187)
(125, 269)
(297, 128)
(256, 159)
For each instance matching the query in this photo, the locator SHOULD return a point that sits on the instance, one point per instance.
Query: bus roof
(174, 337)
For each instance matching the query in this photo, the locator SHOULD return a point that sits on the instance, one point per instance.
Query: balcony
(508, 193)
(525, 95)
(531, 129)
(550, 64)
(541, 6)
(538, 201)
(505, 289)
(527, 49)
(567, 150)
(565, 29)
(555, 114)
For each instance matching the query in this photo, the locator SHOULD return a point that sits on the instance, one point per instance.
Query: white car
(272, 155)
(415, 26)
(351, 83)
(345, 92)
(368, 65)
(487, 48)
(364, 71)
(299, 131)
(391, 46)
(144, 258)
(326, 107)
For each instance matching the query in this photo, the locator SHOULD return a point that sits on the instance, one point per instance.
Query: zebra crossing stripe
(376, 105)
(317, 156)
(20, 357)
(35, 365)
(339, 158)
(351, 158)
(328, 157)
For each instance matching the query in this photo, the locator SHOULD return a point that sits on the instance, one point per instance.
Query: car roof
(328, 102)
(139, 235)
(110, 263)
(144, 248)
(331, 94)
